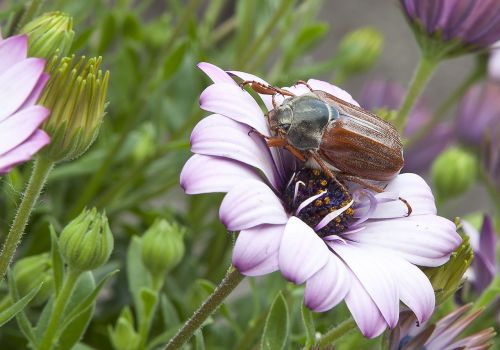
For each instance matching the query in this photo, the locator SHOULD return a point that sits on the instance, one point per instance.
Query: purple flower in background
(494, 62)
(21, 82)
(490, 154)
(344, 243)
(478, 111)
(484, 266)
(384, 94)
(440, 336)
(464, 25)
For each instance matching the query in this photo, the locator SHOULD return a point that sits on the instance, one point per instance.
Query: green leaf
(309, 326)
(107, 33)
(277, 325)
(57, 262)
(7, 314)
(199, 342)
(175, 59)
(489, 294)
(73, 331)
(148, 298)
(22, 320)
(138, 276)
(88, 301)
(168, 312)
(308, 36)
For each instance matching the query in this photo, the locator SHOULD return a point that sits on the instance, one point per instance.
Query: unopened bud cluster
(75, 94)
(32, 271)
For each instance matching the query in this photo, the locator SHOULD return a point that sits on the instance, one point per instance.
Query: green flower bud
(75, 94)
(49, 34)
(359, 49)
(453, 172)
(86, 242)
(124, 336)
(32, 271)
(162, 247)
(446, 278)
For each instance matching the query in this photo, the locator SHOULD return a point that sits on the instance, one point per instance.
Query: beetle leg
(264, 89)
(302, 82)
(295, 152)
(375, 189)
(321, 163)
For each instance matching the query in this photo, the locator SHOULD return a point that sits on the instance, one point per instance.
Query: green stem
(422, 74)
(449, 102)
(57, 311)
(41, 170)
(227, 285)
(335, 333)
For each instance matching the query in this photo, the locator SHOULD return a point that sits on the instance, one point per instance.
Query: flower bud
(162, 247)
(359, 49)
(32, 271)
(49, 34)
(446, 278)
(453, 172)
(124, 336)
(86, 242)
(75, 94)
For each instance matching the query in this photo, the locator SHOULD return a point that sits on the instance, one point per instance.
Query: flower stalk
(335, 333)
(228, 284)
(58, 310)
(39, 174)
(423, 73)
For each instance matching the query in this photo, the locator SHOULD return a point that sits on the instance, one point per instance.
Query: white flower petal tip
(215, 73)
(332, 90)
(302, 252)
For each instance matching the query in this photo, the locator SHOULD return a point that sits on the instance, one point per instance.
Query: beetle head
(280, 118)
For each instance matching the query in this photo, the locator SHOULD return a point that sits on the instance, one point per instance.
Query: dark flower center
(311, 196)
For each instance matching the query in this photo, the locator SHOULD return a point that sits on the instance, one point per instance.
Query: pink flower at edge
(371, 265)
(21, 82)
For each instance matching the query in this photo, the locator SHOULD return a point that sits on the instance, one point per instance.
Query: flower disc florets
(311, 196)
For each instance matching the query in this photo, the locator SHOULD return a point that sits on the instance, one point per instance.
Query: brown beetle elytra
(318, 125)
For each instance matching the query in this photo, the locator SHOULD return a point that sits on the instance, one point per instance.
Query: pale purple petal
(219, 136)
(12, 50)
(267, 99)
(233, 102)
(410, 187)
(207, 174)
(329, 286)
(332, 90)
(215, 73)
(17, 83)
(494, 62)
(425, 240)
(415, 289)
(370, 321)
(256, 250)
(37, 91)
(302, 253)
(23, 152)
(378, 282)
(18, 127)
(250, 204)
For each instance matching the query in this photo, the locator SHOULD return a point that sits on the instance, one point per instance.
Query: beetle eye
(284, 126)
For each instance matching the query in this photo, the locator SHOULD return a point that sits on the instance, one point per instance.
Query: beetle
(356, 143)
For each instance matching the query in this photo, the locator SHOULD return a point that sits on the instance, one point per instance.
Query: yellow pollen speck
(332, 209)
(327, 200)
(337, 220)
(349, 211)
(323, 182)
(318, 202)
(316, 172)
(319, 191)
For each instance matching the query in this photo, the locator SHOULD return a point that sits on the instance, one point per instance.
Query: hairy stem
(227, 285)
(39, 174)
(335, 333)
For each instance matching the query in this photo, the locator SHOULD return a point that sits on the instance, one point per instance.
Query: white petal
(302, 252)
(332, 90)
(219, 136)
(426, 240)
(249, 204)
(207, 174)
(256, 250)
(376, 280)
(364, 311)
(233, 102)
(215, 73)
(328, 286)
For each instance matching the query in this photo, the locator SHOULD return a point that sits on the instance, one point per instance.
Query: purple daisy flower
(440, 336)
(466, 25)
(478, 112)
(21, 82)
(379, 94)
(484, 266)
(360, 248)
